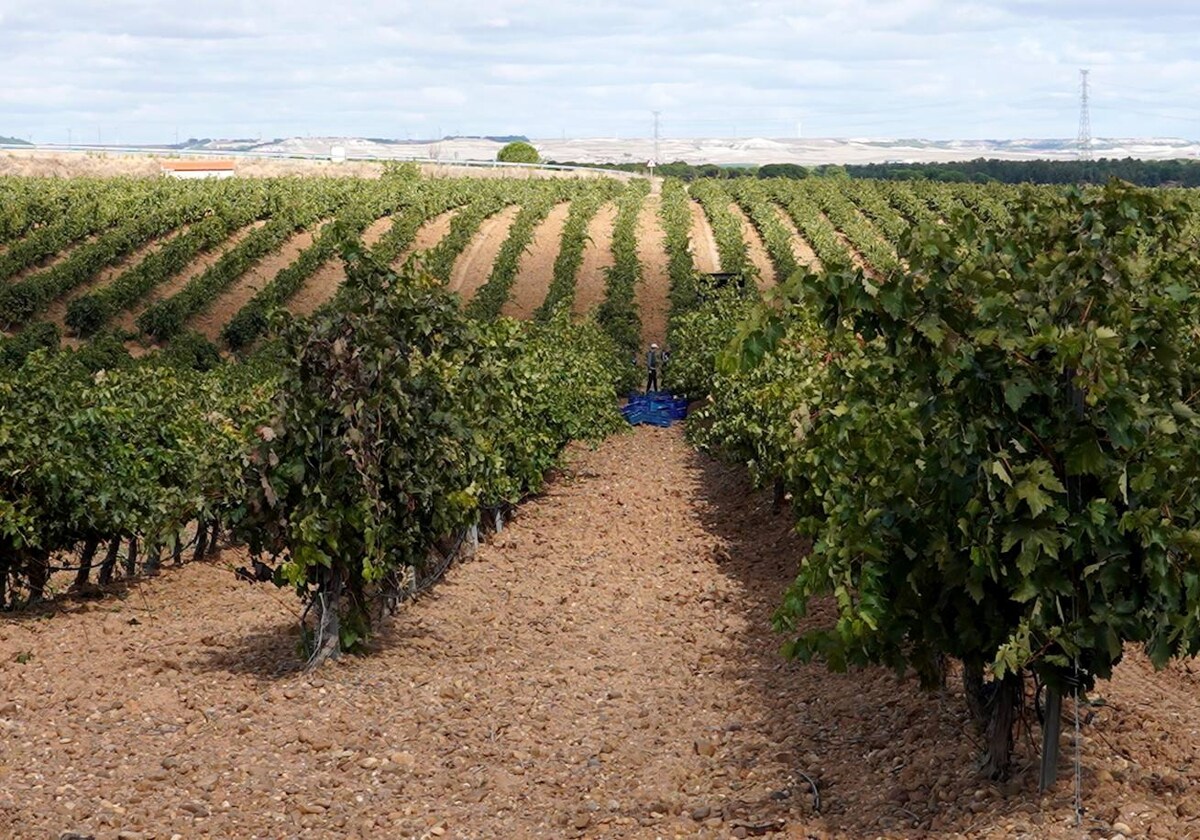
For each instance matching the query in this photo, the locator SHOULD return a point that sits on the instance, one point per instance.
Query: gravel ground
(651, 296)
(603, 668)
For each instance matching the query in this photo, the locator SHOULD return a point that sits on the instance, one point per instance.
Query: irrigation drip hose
(425, 583)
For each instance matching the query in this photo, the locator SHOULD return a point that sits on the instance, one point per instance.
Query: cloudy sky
(141, 71)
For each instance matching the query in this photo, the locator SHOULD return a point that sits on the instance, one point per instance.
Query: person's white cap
(653, 346)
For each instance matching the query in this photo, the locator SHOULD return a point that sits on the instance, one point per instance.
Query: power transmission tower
(654, 161)
(1085, 120)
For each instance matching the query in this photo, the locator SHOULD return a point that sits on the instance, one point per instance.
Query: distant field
(41, 163)
(154, 258)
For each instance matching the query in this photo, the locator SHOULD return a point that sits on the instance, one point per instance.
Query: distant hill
(726, 151)
(13, 141)
(720, 151)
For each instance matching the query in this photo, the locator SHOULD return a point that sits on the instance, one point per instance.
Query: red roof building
(198, 168)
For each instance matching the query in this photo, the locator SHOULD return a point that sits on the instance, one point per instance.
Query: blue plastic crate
(657, 408)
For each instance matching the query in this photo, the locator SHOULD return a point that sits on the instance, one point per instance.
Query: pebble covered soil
(604, 668)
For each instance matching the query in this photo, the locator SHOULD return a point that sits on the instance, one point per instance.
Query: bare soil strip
(127, 320)
(591, 284)
(108, 164)
(226, 305)
(320, 288)
(474, 265)
(376, 230)
(855, 256)
(536, 267)
(652, 295)
(429, 235)
(317, 289)
(802, 251)
(57, 311)
(53, 260)
(755, 248)
(604, 668)
(703, 244)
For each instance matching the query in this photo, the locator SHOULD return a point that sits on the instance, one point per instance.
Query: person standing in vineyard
(653, 363)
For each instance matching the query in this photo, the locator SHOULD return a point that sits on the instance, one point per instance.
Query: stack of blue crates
(655, 408)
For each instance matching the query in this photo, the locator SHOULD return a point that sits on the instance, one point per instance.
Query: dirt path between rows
(210, 321)
(428, 235)
(652, 295)
(46, 263)
(755, 249)
(375, 231)
(320, 288)
(535, 269)
(591, 283)
(702, 243)
(474, 265)
(56, 312)
(801, 249)
(856, 257)
(604, 668)
(127, 320)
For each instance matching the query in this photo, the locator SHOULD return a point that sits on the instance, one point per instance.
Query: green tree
(518, 152)
(782, 170)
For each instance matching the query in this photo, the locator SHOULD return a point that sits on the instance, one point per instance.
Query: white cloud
(935, 68)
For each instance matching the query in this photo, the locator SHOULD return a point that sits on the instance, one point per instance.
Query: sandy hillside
(60, 164)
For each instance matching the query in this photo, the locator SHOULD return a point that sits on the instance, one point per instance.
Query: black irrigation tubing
(438, 571)
(425, 583)
(816, 793)
(396, 594)
(53, 569)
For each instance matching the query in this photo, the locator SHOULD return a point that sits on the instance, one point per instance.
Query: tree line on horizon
(1145, 173)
